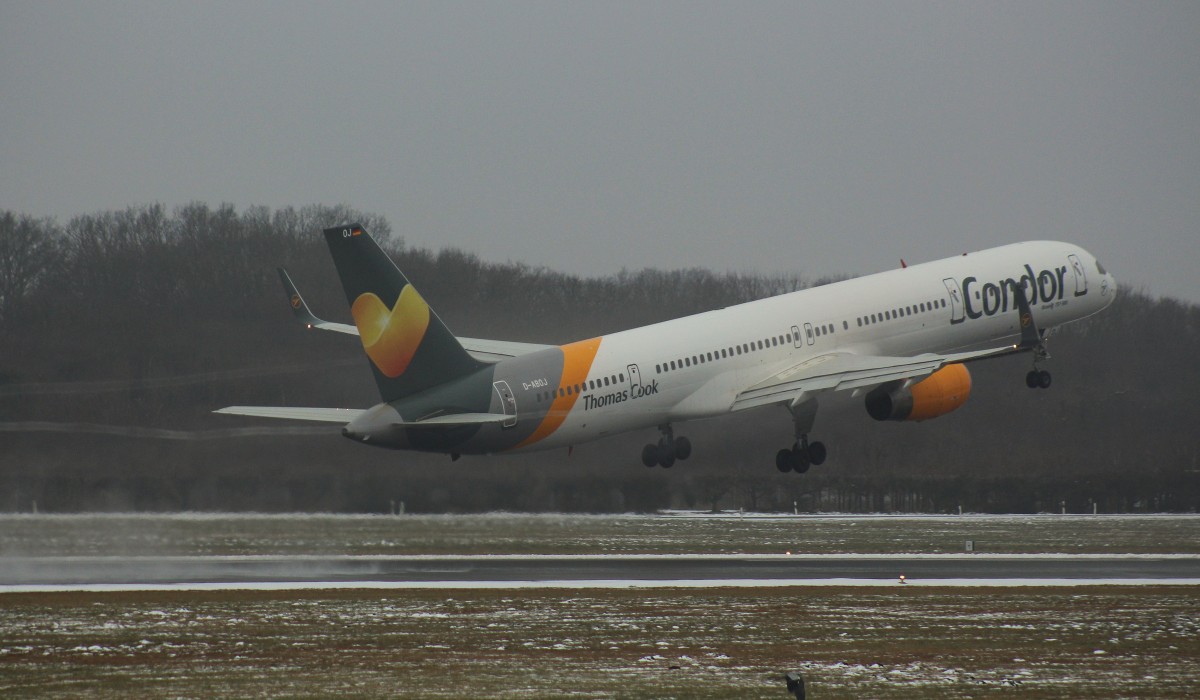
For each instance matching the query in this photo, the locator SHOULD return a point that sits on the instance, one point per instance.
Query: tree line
(121, 331)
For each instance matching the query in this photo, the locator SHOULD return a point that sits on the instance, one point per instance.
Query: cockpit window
(1101, 268)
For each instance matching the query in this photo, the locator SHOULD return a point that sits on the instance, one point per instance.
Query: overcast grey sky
(817, 138)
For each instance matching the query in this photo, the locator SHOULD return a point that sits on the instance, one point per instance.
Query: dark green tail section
(409, 347)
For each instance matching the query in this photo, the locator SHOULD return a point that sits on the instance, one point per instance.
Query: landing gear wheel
(1032, 380)
(683, 448)
(1043, 379)
(800, 461)
(783, 461)
(816, 453)
(668, 449)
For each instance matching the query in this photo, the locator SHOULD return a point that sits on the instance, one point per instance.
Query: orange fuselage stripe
(577, 362)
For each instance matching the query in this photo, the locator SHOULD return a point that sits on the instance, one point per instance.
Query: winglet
(299, 307)
(303, 314)
(1031, 337)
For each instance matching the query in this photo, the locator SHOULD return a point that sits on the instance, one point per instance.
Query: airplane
(899, 339)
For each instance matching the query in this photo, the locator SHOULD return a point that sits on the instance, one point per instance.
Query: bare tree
(28, 250)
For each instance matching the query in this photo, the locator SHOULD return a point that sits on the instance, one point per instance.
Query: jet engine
(936, 395)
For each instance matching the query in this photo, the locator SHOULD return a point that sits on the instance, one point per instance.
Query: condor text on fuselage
(899, 339)
(990, 298)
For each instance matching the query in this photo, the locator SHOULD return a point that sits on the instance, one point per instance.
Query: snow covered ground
(669, 533)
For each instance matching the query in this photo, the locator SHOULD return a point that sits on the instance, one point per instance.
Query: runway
(75, 573)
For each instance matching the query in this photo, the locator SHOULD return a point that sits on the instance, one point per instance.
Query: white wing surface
(845, 371)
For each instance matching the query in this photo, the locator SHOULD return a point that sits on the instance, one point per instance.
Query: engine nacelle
(936, 395)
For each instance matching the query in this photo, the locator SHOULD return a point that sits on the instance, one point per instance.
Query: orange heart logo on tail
(391, 336)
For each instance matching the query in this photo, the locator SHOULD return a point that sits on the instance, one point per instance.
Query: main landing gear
(801, 456)
(802, 453)
(668, 449)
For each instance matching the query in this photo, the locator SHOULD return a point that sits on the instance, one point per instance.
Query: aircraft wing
(481, 349)
(841, 371)
(345, 415)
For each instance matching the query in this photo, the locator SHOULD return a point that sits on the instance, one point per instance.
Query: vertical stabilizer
(409, 347)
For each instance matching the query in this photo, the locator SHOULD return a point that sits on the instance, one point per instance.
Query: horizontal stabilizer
(327, 415)
(457, 419)
(496, 350)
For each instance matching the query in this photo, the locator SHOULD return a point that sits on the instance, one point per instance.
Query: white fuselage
(695, 367)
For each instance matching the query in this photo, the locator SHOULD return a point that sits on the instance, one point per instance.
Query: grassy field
(707, 643)
(581, 534)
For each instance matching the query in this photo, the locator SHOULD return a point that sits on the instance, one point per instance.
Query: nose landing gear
(1037, 379)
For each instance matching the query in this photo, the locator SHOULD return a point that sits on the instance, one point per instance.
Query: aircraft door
(1079, 274)
(808, 333)
(957, 308)
(508, 403)
(796, 337)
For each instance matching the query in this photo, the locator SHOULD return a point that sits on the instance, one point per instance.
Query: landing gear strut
(668, 449)
(1038, 378)
(1031, 338)
(802, 453)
